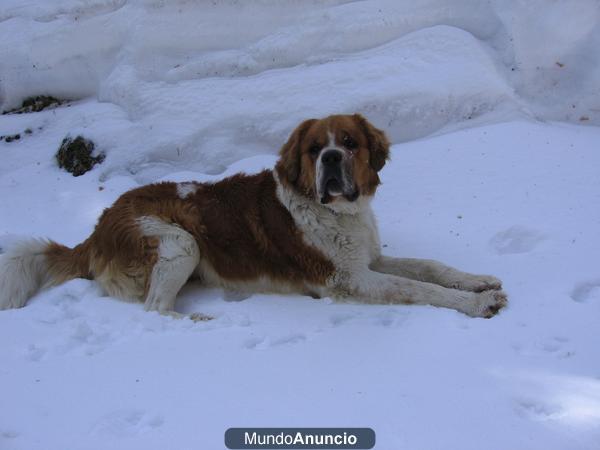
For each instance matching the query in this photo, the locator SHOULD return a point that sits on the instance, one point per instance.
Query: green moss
(75, 155)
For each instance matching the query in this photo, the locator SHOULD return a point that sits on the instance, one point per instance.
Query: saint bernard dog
(305, 227)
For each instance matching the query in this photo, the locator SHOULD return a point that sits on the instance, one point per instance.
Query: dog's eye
(349, 143)
(314, 149)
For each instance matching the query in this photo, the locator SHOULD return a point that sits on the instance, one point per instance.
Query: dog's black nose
(331, 157)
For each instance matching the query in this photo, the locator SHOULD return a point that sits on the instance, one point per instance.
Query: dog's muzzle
(335, 179)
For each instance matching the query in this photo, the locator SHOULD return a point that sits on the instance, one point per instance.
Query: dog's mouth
(333, 188)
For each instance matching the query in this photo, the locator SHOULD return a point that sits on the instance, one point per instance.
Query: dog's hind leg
(178, 257)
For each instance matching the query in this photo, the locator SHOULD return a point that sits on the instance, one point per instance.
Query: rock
(36, 103)
(76, 155)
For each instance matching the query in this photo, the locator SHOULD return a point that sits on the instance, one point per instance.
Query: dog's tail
(34, 264)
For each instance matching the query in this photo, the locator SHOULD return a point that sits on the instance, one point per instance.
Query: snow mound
(70, 48)
(202, 78)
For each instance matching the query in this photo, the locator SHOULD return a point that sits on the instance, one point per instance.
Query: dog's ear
(379, 146)
(288, 166)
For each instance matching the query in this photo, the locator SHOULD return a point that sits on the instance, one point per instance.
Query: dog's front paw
(477, 283)
(488, 303)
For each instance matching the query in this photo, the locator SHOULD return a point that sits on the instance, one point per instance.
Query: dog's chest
(347, 240)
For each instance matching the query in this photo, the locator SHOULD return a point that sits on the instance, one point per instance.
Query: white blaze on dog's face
(335, 159)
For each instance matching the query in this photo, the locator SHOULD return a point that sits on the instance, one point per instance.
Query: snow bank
(70, 48)
(206, 77)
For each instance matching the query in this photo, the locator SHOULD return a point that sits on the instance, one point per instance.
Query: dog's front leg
(380, 288)
(435, 272)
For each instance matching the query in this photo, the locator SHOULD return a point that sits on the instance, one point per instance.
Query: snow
(491, 172)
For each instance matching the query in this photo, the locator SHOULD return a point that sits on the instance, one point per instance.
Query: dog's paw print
(263, 343)
(558, 346)
(9, 434)
(35, 353)
(586, 292)
(516, 239)
(256, 343)
(391, 318)
(537, 410)
(127, 423)
(339, 319)
(295, 338)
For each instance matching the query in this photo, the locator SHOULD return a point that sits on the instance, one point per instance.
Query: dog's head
(333, 160)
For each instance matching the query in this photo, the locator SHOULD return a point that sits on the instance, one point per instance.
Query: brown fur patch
(248, 233)
(290, 166)
(65, 263)
(378, 143)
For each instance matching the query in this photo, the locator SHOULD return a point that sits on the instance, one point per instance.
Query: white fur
(23, 271)
(186, 188)
(178, 257)
(346, 232)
